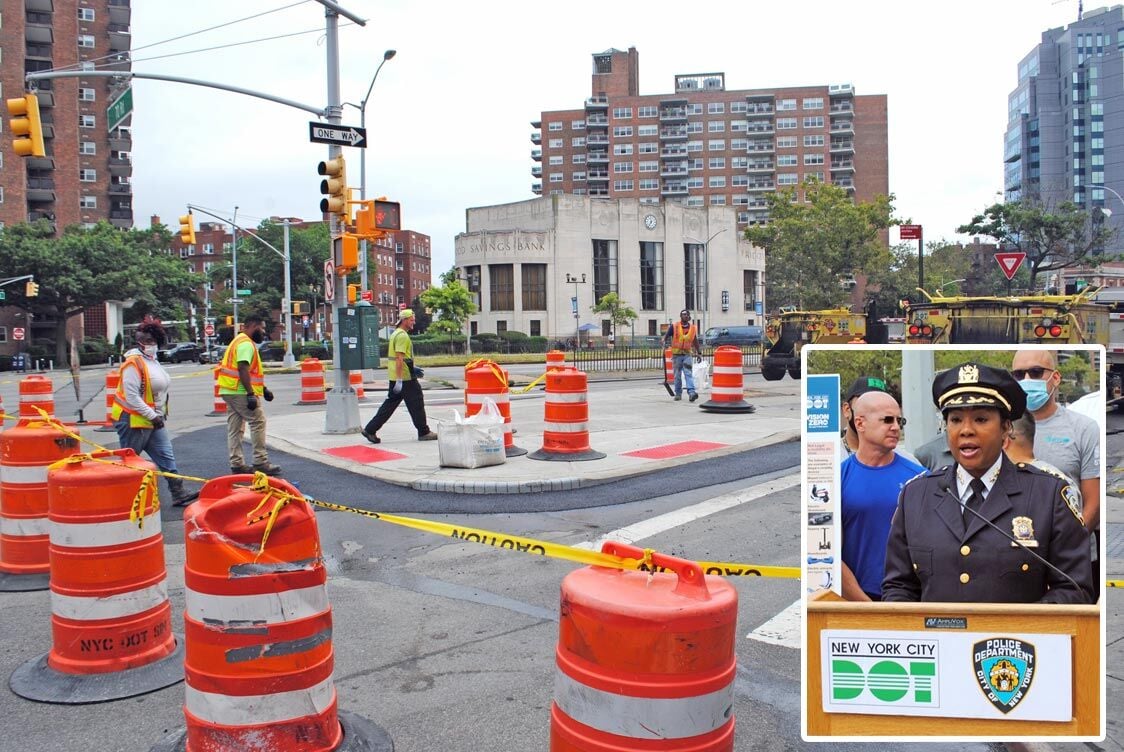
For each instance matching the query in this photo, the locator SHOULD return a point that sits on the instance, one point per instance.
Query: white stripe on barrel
(94, 535)
(18, 527)
(478, 399)
(116, 606)
(739, 391)
(24, 475)
(253, 710)
(267, 608)
(567, 427)
(566, 397)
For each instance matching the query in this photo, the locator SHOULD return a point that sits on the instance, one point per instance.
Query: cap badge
(969, 374)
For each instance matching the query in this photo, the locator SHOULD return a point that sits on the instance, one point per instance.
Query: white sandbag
(475, 441)
(700, 372)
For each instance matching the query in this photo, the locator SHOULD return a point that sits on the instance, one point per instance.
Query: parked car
(214, 355)
(271, 353)
(179, 353)
(733, 335)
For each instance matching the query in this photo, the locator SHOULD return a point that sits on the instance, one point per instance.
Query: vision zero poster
(822, 450)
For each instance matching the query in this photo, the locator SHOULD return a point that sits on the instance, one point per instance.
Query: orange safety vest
(682, 341)
(120, 405)
(228, 369)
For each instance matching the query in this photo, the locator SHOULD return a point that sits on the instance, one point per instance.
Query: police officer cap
(977, 385)
(864, 384)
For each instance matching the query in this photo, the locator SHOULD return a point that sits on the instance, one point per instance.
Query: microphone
(945, 487)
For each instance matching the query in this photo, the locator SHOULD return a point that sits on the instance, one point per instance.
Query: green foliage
(452, 304)
(816, 242)
(422, 317)
(851, 364)
(1052, 238)
(620, 314)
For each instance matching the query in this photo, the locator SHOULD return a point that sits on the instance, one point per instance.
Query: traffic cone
(727, 390)
(112, 379)
(566, 436)
(312, 383)
(489, 380)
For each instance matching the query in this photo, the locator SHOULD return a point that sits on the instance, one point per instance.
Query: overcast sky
(449, 119)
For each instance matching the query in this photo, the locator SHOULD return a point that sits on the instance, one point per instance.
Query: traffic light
(300, 307)
(187, 229)
(230, 321)
(26, 126)
(388, 215)
(365, 220)
(334, 186)
(31, 289)
(349, 253)
(352, 294)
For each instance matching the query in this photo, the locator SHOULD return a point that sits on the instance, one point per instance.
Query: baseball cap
(864, 384)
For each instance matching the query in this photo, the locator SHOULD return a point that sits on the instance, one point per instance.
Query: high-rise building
(85, 175)
(702, 144)
(1065, 130)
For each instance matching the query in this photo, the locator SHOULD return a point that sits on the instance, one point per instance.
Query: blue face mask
(1036, 393)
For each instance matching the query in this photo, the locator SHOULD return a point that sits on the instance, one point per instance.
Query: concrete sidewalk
(623, 417)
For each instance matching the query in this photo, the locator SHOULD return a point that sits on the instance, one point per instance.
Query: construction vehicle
(1113, 299)
(789, 331)
(1038, 319)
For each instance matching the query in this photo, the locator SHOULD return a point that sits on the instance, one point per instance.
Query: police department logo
(1004, 669)
(969, 374)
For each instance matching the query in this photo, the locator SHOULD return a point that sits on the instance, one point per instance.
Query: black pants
(415, 403)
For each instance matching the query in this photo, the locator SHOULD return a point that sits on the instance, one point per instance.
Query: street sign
(209, 330)
(243, 292)
(329, 281)
(120, 109)
(17, 333)
(910, 232)
(1010, 262)
(342, 135)
(368, 296)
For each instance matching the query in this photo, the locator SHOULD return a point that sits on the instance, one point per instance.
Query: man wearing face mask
(1065, 439)
(241, 383)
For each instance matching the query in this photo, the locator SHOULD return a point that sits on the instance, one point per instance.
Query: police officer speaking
(985, 529)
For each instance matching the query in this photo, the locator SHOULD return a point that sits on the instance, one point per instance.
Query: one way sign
(342, 135)
(1010, 262)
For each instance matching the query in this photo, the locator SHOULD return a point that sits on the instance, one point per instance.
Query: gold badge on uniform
(969, 374)
(1022, 528)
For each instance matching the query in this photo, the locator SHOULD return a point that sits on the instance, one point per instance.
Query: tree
(422, 317)
(86, 267)
(1052, 238)
(263, 271)
(620, 313)
(452, 304)
(810, 245)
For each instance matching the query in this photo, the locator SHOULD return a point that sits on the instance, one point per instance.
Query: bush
(94, 351)
(512, 336)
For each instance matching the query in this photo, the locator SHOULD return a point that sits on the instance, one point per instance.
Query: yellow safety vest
(228, 369)
(136, 420)
(682, 341)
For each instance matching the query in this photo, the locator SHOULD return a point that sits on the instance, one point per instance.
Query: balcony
(761, 185)
(119, 11)
(760, 109)
(596, 103)
(38, 29)
(536, 171)
(673, 170)
(39, 6)
(760, 165)
(536, 137)
(841, 90)
(39, 52)
(596, 121)
(845, 183)
(761, 146)
(673, 115)
(599, 192)
(120, 189)
(597, 139)
(674, 189)
(536, 154)
(842, 108)
(536, 188)
(597, 157)
(41, 189)
(119, 165)
(674, 133)
(673, 151)
(842, 165)
(843, 126)
(536, 124)
(120, 38)
(121, 139)
(597, 176)
(759, 128)
(843, 146)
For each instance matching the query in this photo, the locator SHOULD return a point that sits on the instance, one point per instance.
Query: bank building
(539, 266)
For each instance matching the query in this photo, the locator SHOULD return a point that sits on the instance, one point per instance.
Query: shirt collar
(963, 479)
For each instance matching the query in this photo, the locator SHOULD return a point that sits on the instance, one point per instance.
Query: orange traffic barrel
(555, 359)
(727, 385)
(488, 380)
(355, 378)
(258, 625)
(645, 661)
(111, 621)
(312, 383)
(36, 392)
(27, 450)
(112, 379)
(668, 367)
(566, 435)
(218, 406)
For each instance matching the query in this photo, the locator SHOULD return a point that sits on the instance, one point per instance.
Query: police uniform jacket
(937, 552)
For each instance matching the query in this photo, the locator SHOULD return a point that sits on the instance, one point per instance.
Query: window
(717, 163)
(694, 182)
(739, 180)
(739, 163)
(85, 95)
(786, 104)
(578, 141)
(715, 108)
(85, 14)
(579, 177)
(718, 181)
(622, 185)
(786, 142)
(622, 131)
(718, 200)
(694, 263)
(554, 143)
(622, 166)
(786, 160)
(816, 176)
(695, 108)
(649, 184)
(786, 124)
(787, 178)
(651, 276)
(88, 202)
(622, 150)
(555, 126)
(208, 250)
(86, 175)
(556, 160)
(577, 159)
(813, 140)
(649, 167)
(622, 113)
(556, 177)
(694, 146)
(813, 103)
(813, 159)
(534, 287)
(694, 127)
(502, 280)
(85, 40)
(648, 130)
(648, 112)
(649, 148)
(814, 122)
(736, 107)
(604, 268)
(87, 147)
(87, 121)
(716, 145)
(716, 126)
(739, 125)
(577, 125)
(536, 328)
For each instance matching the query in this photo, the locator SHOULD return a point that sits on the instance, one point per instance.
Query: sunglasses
(1036, 372)
(890, 419)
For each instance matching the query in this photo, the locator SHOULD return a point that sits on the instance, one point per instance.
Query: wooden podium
(826, 611)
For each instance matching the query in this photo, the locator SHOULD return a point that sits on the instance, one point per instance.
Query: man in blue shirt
(871, 479)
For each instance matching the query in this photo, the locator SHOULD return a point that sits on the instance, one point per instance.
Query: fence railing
(643, 358)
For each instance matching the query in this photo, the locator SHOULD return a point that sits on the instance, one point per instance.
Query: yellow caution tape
(498, 372)
(261, 485)
(1114, 583)
(146, 492)
(532, 385)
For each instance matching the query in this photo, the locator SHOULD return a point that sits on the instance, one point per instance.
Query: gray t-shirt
(1071, 442)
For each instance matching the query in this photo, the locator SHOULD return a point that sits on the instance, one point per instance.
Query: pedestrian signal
(300, 307)
(388, 215)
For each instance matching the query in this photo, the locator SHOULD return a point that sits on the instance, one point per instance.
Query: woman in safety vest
(140, 407)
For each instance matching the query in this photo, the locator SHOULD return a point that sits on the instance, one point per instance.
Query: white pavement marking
(784, 628)
(657, 525)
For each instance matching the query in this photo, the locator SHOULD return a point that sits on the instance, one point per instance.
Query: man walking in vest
(403, 376)
(682, 338)
(241, 383)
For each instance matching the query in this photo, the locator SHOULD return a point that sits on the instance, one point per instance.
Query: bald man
(872, 479)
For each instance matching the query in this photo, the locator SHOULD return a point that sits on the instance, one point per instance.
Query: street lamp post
(575, 281)
(706, 275)
(234, 264)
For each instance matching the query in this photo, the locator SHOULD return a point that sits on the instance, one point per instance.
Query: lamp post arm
(237, 227)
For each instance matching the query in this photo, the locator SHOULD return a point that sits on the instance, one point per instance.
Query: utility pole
(234, 266)
(287, 305)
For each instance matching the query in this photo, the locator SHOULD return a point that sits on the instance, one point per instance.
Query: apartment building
(704, 145)
(1065, 131)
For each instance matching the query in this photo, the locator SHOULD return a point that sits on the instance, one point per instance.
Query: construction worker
(403, 383)
(241, 382)
(139, 406)
(682, 337)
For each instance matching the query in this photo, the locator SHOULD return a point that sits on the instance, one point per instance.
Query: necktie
(976, 500)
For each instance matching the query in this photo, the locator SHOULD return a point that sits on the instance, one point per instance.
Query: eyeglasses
(1036, 372)
(890, 419)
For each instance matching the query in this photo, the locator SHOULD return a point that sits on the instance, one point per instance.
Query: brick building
(702, 144)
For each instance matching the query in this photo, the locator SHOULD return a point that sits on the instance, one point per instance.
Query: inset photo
(953, 548)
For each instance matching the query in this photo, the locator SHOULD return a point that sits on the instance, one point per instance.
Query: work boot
(694, 396)
(181, 497)
(241, 470)
(268, 469)
(431, 436)
(678, 397)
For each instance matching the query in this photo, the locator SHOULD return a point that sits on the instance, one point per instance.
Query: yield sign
(1010, 262)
